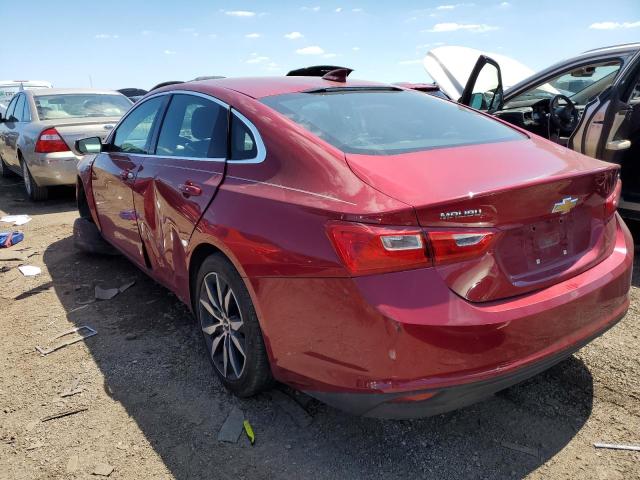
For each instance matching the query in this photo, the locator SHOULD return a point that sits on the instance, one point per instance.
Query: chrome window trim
(261, 150)
(260, 147)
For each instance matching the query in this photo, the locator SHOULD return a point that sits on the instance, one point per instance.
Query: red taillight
(611, 204)
(50, 141)
(458, 246)
(367, 249)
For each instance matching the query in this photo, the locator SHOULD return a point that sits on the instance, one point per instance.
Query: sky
(118, 44)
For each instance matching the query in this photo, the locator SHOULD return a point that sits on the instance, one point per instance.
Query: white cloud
(410, 62)
(357, 10)
(469, 27)
(212, 35)
(355, 49)
(613, 25)
(252, 35)
(240, 13)
(310, 9)
(293, 35)
(312, 50)
(505, 4)
(169, 52)
(257, 59)
(454, 6)
(445, 7)
(338, 10)
(106, 36)
(146, 32)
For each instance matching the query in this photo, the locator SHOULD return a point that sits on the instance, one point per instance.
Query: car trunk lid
(542, 207)
(73, 130)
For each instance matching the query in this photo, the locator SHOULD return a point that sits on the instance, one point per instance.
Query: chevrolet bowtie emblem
(565, 206)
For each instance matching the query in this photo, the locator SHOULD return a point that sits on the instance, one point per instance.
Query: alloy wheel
(222, 326)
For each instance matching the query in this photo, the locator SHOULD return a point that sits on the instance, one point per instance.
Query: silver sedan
(39, 129)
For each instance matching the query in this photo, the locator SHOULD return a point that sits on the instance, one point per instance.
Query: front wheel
(230, 328)
(34, 191)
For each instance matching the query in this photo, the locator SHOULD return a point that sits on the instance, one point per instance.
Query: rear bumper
(49, 169)
(359, 344)
(390, 405)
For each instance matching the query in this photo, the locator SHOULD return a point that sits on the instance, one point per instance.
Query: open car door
(484, 90)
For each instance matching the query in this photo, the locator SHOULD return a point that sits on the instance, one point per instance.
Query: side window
(193, 127)
(134, 133)
(11, 108)
(243, 143)
(26, 113)
(19, 108)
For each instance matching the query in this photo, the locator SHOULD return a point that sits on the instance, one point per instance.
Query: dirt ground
(154, 407)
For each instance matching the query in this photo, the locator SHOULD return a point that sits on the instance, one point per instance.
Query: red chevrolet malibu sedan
(390, 253)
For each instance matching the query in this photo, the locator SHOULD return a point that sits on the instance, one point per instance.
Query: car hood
(450, 67)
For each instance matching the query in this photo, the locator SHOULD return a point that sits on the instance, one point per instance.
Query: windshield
(594, 77)
(81, 105)
(387, 122)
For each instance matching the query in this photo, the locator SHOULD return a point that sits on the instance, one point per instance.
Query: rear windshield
(52, 107)
(388, 122)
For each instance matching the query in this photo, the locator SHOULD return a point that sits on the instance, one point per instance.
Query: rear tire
(230, 328)
(34, 191)
(87, 238)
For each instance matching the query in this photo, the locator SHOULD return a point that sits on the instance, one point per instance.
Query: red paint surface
(398, 331)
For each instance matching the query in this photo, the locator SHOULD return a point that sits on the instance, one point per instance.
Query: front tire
(34, 191)
(230, 328)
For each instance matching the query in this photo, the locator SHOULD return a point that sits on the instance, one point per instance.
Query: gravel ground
(154, 408)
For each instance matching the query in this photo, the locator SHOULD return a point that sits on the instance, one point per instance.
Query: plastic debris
(249, 431)
(16, 219)
(127, 286)
(617, 446)
(90, 332)
(232, 427)
(7, 239)
(102, 469)
(105, 293)
(66, 413)
(29, 270)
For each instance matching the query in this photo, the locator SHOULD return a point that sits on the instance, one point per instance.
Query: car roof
(63, 91)
(622, 48)
(259, 87)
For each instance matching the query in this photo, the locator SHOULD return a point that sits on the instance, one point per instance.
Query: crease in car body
(330, 268)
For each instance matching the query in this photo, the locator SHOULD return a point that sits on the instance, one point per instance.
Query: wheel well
(81, 200)
(198, 256)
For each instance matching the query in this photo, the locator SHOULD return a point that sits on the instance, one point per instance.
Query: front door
(114, 173)
(179, 181)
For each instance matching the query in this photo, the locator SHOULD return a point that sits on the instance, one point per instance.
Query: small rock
(102, 469)
(130, 336)
(35, 445)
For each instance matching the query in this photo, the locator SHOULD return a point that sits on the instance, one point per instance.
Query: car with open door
(589, 103)
(388, 252)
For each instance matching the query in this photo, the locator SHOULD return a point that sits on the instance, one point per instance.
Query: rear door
(5, 129)
(114, 172)
(179, 181)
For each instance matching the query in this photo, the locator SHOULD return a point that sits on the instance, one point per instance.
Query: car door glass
(11, 108)
(243, 143)
(134, 133)
(26, 112)
(19, 108)
(193, 127)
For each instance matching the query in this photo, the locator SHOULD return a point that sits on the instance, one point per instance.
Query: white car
(8, 88)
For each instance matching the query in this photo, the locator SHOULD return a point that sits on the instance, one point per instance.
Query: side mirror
(89, 145)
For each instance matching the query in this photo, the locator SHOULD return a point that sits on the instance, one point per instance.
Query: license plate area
(548, 242)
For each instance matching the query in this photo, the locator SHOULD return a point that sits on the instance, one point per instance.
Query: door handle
(189, 189)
